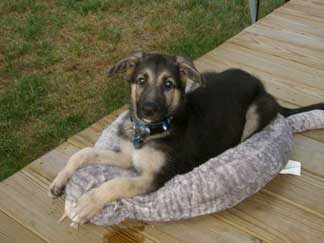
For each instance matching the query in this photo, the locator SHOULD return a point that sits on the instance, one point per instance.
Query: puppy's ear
(126, 64)
(188, 70)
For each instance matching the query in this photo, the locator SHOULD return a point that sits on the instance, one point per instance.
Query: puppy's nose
(150, 108)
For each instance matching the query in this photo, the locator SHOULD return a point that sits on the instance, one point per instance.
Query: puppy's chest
(148, 159)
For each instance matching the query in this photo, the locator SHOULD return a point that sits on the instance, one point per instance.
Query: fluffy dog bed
(218, 184)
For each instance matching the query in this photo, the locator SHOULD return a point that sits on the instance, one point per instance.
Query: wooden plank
(24, 198)
(133, 234)
(298, 14)
(311, 3)
(138, 231)
(204, 229)
(289, 71)
(306, 8)
(282, 88)
(13, 232)
(289, 37)
(305, 191)
(49, 165)
(294, 24)
(310, 152)
(317, 135)
(274, 220)
(280, 49)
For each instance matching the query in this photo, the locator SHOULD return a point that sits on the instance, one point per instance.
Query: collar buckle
(143, 130)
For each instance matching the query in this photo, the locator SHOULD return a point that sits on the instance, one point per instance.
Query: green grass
(54, 55)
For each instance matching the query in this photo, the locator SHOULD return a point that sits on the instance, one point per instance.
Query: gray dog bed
(218, 184)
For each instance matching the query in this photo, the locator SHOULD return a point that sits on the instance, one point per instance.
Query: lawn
(54, 56)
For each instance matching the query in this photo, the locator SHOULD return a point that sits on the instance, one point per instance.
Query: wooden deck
(286, 50)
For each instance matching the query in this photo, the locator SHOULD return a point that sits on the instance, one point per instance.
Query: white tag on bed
(292, 168)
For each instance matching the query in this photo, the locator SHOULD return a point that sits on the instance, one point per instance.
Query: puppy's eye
(169, 84)
(140, 81)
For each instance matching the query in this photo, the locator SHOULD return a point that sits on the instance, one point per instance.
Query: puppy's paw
(57, 187)
(87, 207)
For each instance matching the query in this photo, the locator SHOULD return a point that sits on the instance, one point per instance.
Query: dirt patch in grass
(54, 56)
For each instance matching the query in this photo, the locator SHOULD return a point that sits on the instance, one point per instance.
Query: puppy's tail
(288, 112)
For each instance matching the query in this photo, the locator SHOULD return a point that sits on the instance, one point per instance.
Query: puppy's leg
(260, 113)
(251, 122)
(85, 157)
(148, 160)
(95, 200)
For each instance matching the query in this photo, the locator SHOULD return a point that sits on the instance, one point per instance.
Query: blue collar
(142, 130)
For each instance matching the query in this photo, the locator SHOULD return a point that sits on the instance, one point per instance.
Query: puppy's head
(157, 83)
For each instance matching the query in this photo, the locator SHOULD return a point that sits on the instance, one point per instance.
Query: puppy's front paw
(87, 207)
(57, 186)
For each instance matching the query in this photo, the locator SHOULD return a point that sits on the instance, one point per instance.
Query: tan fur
(173, 96)
(188, 70)
(123, 187)
(147, 160)
(134, 97)
(150, 74)
(251, 122)
(162, 76)
(175, 99)
(88, 156)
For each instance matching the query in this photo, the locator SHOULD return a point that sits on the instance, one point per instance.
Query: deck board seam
(130, 232)
(310, 171)
(238, 43)
(264, 54)
(282, 198)
(238, 226)
(292, 12)
(308, 34)
(292, 17)
(126, 234)
(35, 233)
(284, 82)
(255, 31)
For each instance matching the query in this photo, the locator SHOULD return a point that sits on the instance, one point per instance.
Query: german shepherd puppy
(170, 131)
